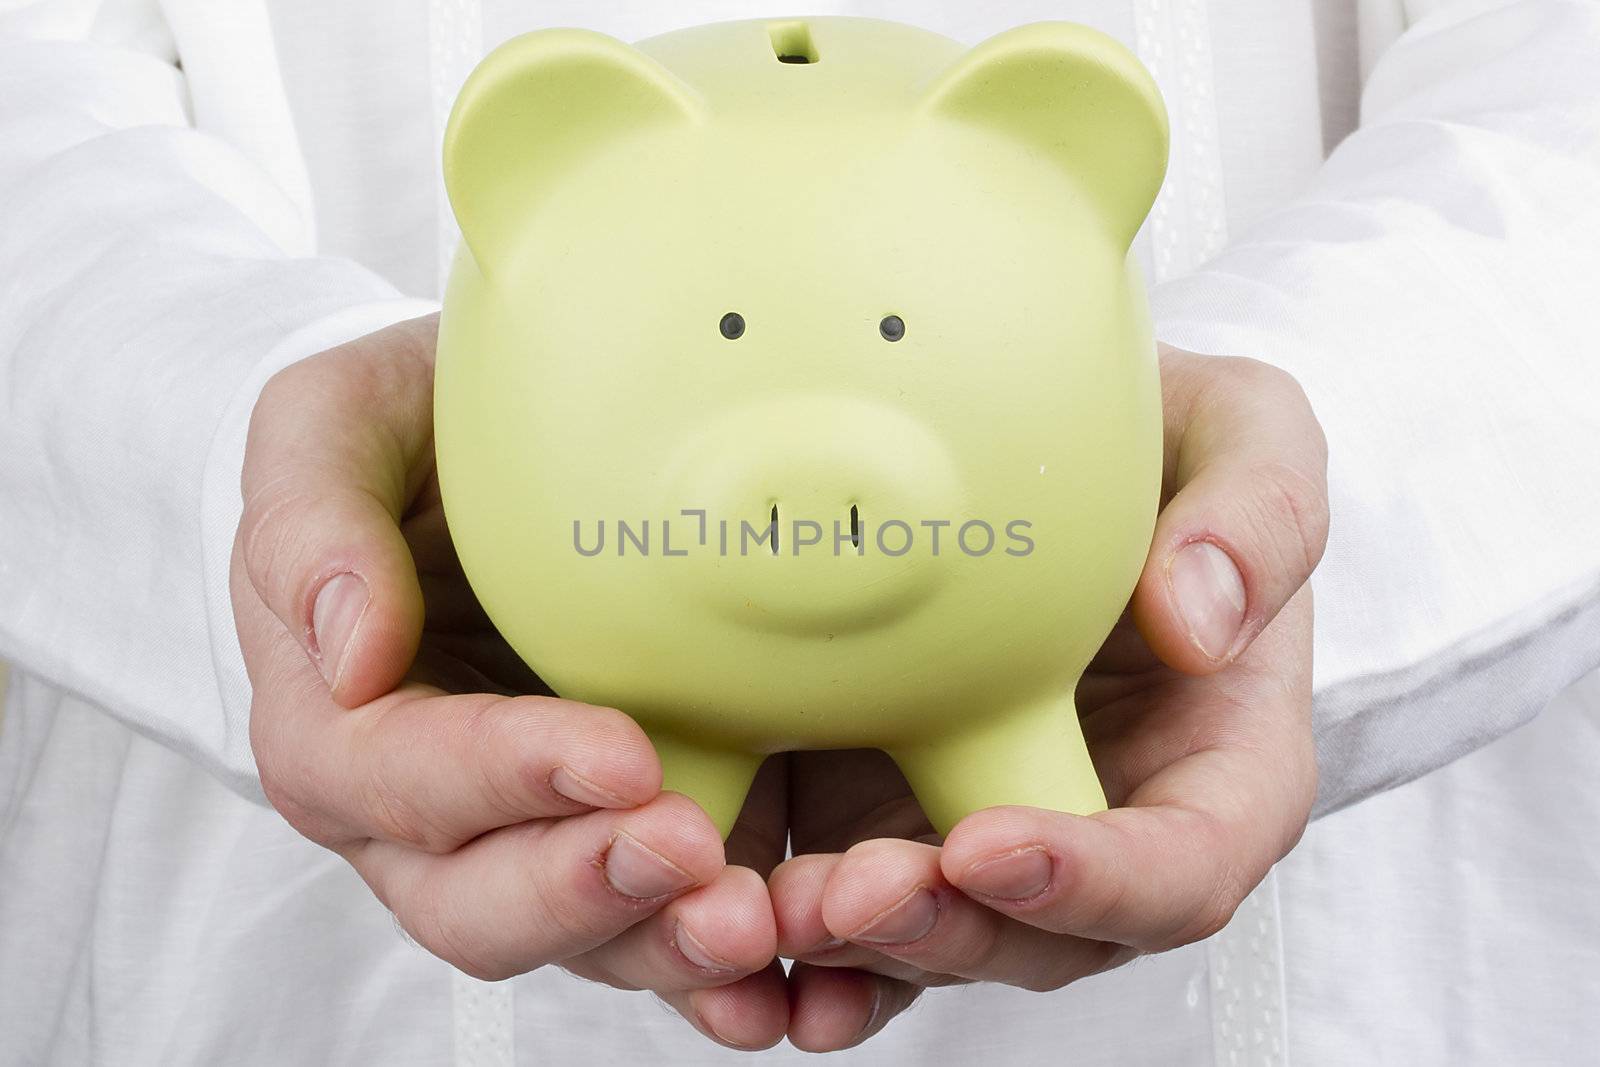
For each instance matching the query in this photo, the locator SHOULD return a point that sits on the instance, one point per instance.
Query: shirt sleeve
(151, 278)
(1437, 293)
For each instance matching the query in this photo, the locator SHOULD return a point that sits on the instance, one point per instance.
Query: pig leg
(715, 778)
(1034, 756)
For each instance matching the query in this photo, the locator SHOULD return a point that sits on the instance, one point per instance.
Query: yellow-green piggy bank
(796, 388)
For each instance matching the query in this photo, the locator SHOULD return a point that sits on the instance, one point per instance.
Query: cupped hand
(506, 829)
(509, 830)
(1197, 715)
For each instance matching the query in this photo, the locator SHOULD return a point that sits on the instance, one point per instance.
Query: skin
(509, 830)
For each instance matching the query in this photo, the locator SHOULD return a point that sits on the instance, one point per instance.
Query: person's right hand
(505, 831)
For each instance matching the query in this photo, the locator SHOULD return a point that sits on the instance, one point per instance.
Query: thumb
(337, 446)
(1247, 519)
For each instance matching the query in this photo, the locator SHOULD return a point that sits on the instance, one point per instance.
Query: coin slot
(791, 43)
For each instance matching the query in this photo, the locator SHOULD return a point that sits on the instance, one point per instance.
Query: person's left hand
(1197, 715)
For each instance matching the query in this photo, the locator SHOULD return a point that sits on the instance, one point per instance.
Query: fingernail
(337, 613)
(577, 788)
(866, 1030)
(1019, 875)
(637, 871)
(695, 951)
(705, 1024)
(1210, 596)
(908, 920)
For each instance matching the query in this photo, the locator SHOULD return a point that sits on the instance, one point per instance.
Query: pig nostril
(855, 526)
(774, 529)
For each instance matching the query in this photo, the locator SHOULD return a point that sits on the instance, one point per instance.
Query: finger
(1196, 836)
(1260, 705)
(798, 887)
(892, 896)
(748, 1015)
(1153, 877)
(714, 936)
(433, 771)
(1168, 870)
(837, 1009)
(337, 446)
(436, 771)
(1247, 462)
(420, 768)
(542, 892)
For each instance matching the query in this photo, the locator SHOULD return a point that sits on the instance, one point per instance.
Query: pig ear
(1076, 96)
(536, 106)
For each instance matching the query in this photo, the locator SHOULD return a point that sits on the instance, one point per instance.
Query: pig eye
(732, 326)
(893, 327)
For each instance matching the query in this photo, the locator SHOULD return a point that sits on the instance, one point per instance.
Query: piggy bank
(796, 389)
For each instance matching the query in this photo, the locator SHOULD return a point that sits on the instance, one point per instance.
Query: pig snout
(813, 512)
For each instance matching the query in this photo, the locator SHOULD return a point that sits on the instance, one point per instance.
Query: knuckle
(1277, 389)
(1290, 500)
(1212, 916)
(285, 800)
(1220, 884)
(393, 815)
(499, 737)
(277, 391)
(438, 926)
(576, 912)
(393, 819)
(1227, 890)
(1259, 377)
(1311, 426)
(1204, 920)
(1106, 907)
(291, 798)
(280, 788)
(286, 380)
(1232, 380)
(267, 536)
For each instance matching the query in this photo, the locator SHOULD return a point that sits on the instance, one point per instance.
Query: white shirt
(171, 236)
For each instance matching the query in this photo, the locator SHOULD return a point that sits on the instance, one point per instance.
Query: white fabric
(1456, 575)
(170, 237)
